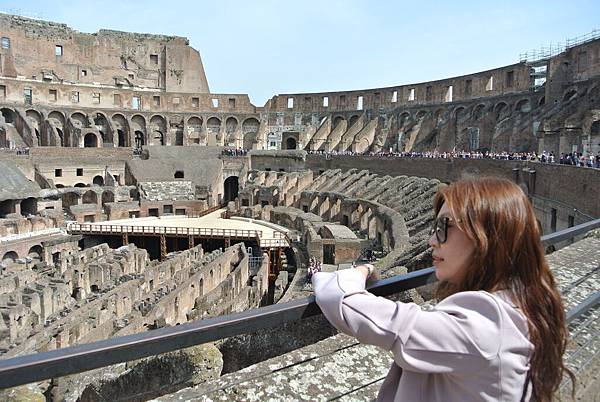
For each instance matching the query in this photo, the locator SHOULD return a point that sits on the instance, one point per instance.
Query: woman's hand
(367, 270)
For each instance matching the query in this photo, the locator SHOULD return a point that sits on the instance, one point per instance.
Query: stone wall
(562, 184)
(52, 52)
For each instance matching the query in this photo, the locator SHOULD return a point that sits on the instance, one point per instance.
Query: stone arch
(213, 125)
(7, 207)
(404, 118)
(108, 196)
(90, 140)
(231, 125)
(231, 188)
(80, 185)
(9, 115)
(501, 111)
(353, 119)
(458, 112)
(101, 123)
(438, 114)
(337, 120)
(36, 253)
(478, 111)
(194, 129)
(35, 121)
(29, 206)
(250, 128)
(9, 257)
(69, 199)
(98, 180)
(122, 129)
(57, 120)
(523, 106)
(291, 143)
(90, 197)
(79, 120)
(158, 129)
(421, 114)
(569, 95)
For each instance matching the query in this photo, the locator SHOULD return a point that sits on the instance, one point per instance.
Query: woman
(498, 333)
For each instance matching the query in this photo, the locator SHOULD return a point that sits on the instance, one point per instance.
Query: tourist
(499, 331)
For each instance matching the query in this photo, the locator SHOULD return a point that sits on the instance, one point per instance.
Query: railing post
(125, 238)
(163, 247)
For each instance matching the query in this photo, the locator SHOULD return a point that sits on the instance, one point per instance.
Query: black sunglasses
(440, 228)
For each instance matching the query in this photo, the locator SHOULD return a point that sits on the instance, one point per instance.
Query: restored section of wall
(54, 52)
(570, 185)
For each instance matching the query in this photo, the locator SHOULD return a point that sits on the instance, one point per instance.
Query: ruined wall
(562, 184)
(48, 51)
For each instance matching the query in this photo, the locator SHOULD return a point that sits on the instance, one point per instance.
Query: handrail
(158, 230)
(583, 307)
(75, 359)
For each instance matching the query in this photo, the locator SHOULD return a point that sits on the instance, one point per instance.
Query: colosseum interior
(132, 198)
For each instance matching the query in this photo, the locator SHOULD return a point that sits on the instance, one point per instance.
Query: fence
(91, 228)
(75, 359)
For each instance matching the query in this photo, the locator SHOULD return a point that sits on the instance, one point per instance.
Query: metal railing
(79, 358)
(545, 52)
(205, 212)
(92, 228)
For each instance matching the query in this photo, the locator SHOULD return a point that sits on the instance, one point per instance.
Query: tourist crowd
(234, 152)
(573, 158)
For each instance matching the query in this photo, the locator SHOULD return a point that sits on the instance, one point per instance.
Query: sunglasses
(440, 228)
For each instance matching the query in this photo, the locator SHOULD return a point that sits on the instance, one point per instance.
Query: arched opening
(69, 199)
(9, 257)
(7, 207)
(90, 140)
(61, 137)
(501, 111)
(250, 128)
(231, 186)
(158, 130)
(90, 197)
(79, 120)
(353, 120)
(98, 180)
(35, 253)
(9, 115)
(107, 197)
(139, 139)
(29, 206)
(179, 174)
(179, 137)
(158, 138)
(290, 143)
(122, 138)
(337, 120)
(523, 106)
(478, 112)
(80, 185)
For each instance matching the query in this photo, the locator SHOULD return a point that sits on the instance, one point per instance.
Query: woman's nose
(433, 242)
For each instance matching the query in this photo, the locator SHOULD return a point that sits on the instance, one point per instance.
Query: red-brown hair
(496, 214)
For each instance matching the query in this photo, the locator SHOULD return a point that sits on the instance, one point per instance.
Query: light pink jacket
(473, 346)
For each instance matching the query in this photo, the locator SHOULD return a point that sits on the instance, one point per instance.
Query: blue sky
(263, 48)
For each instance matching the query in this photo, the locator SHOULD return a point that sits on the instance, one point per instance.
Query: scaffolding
(537, 59)
(535, 56)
